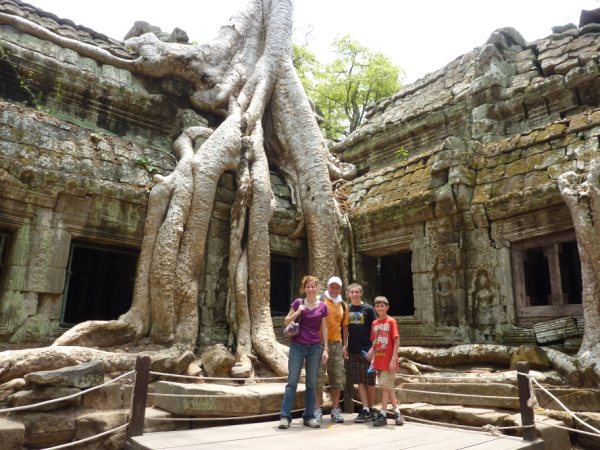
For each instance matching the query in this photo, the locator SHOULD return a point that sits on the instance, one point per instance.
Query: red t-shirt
(383, 333)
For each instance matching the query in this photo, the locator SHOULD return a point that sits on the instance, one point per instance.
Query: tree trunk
(582, 195)
(246, 71)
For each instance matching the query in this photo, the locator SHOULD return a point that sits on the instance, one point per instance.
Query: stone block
(464, 197)
(127, 394)
(42, 394)
(574, 399)
(212, 400)
(48, 429)
(80, 376)
(485, 394)
(107, 397)
(22, 246)
(151, 425)
(12, 434)
(532, 354)
(217, 361)
(95, 423)
(16, 278)
(585, 441)
(534, 179)
(554, 438)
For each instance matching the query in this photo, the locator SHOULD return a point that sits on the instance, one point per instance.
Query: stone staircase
(463, 399)
(477, 403)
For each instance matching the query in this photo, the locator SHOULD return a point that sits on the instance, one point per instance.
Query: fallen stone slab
(574, 399)
(554, 438)
(152, 422)
(47, 429)
(92, 424)
(223, 400)
(11, 386)
(217, 361)
(81, 376)
(491, 395)
(107, 397)
(42, 394)
(592, 419)
(12, 434)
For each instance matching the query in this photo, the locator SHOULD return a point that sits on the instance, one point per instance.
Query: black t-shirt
(360, 319)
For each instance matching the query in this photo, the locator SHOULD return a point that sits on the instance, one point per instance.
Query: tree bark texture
(245, 75)
(582, 195)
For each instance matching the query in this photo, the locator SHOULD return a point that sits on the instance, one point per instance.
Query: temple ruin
(468, 235)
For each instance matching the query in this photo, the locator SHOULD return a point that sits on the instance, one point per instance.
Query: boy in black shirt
(360, 317)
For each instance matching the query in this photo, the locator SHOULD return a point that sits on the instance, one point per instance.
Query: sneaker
(374, 412)
(284, 423)
(336, 415)
(398, 418)
(313, 423)
(363, 416)
(318, 414)
(380, 420)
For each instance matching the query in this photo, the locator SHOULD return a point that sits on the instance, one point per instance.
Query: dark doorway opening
(99, 283)
(547, 278)
(537, 277)
(395, 283)
(4, 239)
(282, 284)
(570, 270)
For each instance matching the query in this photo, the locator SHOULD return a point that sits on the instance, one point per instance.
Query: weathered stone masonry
(487, 137)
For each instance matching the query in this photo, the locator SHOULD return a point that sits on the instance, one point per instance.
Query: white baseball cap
(335, 280)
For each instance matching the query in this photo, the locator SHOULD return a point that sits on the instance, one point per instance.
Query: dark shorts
(357, 368)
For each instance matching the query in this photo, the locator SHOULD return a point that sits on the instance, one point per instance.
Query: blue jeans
(298, 355)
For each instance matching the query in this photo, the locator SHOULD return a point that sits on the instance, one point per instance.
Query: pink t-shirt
(383, 333)
(310, 323)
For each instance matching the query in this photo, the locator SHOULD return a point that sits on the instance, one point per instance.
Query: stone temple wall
(487, 137)
(505, 87)
(476, 199)
(79, 144)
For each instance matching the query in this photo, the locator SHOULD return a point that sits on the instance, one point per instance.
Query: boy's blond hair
(381, 299)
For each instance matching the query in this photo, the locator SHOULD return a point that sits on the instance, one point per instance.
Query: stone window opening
(547, 274)
(99, 283)
(283, 284)
(394, 281)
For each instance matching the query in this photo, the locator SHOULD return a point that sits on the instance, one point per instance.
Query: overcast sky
(420, 36)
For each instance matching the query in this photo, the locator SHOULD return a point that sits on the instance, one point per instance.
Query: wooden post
(139, 396)
(529, 433)
(348, 390)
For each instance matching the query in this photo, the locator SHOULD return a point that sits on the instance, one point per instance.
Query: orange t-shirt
(337, 317)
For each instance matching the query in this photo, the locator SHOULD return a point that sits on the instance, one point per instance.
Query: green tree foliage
(342, 89)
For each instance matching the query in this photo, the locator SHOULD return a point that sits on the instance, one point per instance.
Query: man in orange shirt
(337, 330)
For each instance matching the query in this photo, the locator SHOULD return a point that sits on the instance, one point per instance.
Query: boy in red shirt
(386, 339)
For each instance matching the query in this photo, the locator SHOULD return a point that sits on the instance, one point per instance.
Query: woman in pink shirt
(308, 347)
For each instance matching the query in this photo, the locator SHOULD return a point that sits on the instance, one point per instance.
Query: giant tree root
(17, 363)
(500, 355)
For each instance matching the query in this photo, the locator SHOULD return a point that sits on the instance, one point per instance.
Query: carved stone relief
(444, 288)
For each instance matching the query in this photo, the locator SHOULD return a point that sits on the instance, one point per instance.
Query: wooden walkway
(347, 436)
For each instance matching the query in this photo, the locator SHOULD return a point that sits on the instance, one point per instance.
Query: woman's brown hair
(307, 279)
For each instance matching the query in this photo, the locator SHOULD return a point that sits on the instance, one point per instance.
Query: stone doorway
(395, 282)
(99, 283)
(283, 288)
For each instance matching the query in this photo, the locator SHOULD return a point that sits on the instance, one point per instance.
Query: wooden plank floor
(345, 436)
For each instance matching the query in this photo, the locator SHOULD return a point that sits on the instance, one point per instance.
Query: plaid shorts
(334, 368)
(386, 379)
(357, 370)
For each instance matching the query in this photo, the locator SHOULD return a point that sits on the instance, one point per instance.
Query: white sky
(420, 36)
